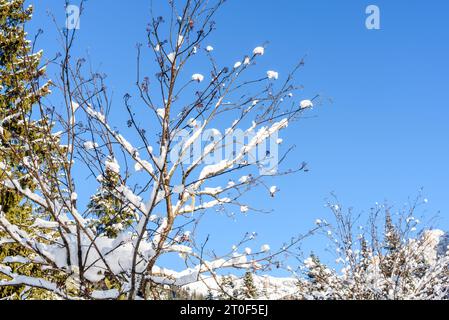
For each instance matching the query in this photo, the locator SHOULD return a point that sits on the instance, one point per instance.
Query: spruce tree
(210, 296)
(21, 88)
(249, 289)
(112, 213)
(315, 268)
(392, 237)
(392, 245)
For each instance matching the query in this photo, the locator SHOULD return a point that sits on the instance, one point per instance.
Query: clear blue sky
(384, 136)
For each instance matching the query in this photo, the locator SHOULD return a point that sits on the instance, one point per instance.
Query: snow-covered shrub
(399, 263)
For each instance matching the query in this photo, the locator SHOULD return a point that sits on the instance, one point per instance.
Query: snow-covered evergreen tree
(24, 139)
(111, 214)
(249, 289)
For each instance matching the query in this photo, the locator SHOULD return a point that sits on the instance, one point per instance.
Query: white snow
(178, 189)
(128, 147)
(180, 40)
(74, 106)
(89, 145)
(39, 223)
(129, 196)
(187, 234)
(244, 209)
(269, 287)
(143, 164)
(306, 104)
(192, 123)
(259, 51)
(273, 190)
(244, 179)
(16, 259)
(161, 112)
(212, 191)
(211, 170)
(96, 114)
(272, 75)
(104, 295)
(112, 165)
(138, 167)
(197, 77)
(171, 57)
(309, 263)
(231, 184)
(205, 205)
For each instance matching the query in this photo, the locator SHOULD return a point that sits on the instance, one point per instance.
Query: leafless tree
(177, 162)
(389, 258)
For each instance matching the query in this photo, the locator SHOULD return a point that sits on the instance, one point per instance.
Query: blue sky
(382, 131)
